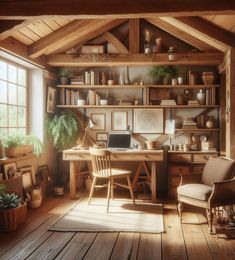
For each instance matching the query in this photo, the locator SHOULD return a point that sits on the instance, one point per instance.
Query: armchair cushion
(195, 191)
(217, 169)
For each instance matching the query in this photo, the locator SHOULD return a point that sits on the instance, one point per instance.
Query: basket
(19, 150)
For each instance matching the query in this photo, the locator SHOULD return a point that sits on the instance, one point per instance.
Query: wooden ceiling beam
(115, 42)
(134, 35)
(204, 31)
(181, 34)
(76, 32)
(93, 9)
(135, 59)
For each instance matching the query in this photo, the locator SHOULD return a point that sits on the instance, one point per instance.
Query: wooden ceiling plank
(224, 21)
(93, 9)
(52, 24)
(38, 28)
(62, 21)
(136, 59)
(205, 31)
(181, 34)
(134, 35)
(83, 33)
(115, 42)
(30, 34)
(22, 38)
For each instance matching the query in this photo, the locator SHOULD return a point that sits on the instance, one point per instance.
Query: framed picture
(10, 171)
(31, 170)
(51, 100)
(119, 120)
(148, 121)
(100, 120)
(102, 137)
(26, 180)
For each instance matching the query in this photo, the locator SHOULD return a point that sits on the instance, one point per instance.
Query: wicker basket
(19, 150)
(11, 218)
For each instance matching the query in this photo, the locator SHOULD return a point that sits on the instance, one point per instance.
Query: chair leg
(112, 189)
(108, 195)
(92, 189)
(131, 190)
(210, 216)
(180, 209)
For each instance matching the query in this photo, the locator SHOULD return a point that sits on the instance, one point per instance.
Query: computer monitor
(119, 141)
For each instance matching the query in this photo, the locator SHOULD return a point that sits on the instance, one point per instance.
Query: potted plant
(12, 210)
(65, 74)
(19, 144)
(164, 73)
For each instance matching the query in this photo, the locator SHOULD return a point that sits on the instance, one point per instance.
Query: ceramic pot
(127, 77)
(64, 80)
(201, 97)
(174, 81)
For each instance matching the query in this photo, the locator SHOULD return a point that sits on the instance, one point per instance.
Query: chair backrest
(101, 162)
(217, 169)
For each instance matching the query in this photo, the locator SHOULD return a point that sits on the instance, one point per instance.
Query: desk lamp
(91, 124)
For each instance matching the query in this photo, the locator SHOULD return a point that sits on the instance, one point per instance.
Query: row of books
(211, 96)
(168, 102)
(189, 124)
(69, 97)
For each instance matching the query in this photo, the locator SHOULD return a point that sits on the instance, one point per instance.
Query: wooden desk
(75, 156)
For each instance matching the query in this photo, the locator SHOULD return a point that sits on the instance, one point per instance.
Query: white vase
(201, 97)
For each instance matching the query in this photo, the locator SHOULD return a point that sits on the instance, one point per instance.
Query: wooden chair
(101, 166)
(214, 188)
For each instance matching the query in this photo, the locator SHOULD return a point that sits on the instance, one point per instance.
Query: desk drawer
(136, 157)
(202, 158)
(179, 170)
(180, 157)
(198, 169)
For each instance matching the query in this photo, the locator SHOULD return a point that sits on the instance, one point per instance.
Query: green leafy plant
(20, 139)
(64, 129)
(2, 189)
(65, 73)
(159, 72)
(9, 201)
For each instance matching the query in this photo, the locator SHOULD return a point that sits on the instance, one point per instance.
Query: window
(13, 101)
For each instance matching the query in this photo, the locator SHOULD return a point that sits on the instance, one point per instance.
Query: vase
(174, 81)
(201, 97)
(127, 77)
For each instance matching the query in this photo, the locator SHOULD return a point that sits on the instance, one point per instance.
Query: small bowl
(81, 102)
(103, 102)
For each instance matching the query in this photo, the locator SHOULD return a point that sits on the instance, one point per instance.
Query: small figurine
(103, 78)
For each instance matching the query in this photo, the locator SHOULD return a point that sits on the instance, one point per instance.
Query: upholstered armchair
(214, 188)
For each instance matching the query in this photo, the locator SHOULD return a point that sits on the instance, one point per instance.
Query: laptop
(119, 141)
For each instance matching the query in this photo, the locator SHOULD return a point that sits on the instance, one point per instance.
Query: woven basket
(19, 150)
(11, 218)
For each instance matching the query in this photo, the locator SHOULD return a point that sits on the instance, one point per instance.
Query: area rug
(123, 216)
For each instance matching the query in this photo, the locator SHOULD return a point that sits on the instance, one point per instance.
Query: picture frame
(26, 180)
(119, 121)
(149, 121)
(102, 137)
(30, 169)
(51, 100)
(10, 171)
(100, 121)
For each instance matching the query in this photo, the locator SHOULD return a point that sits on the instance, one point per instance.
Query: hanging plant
(63, 129)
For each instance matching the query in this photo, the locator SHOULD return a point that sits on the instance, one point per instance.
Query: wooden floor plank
(173, 246)
(52, 246)
(196, 244)
(77, 246)
(150, 247)
(220, 247)
(102, 247)
(126, 246)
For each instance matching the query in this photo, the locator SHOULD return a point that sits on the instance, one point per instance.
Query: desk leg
(73, 179)
(154, 181)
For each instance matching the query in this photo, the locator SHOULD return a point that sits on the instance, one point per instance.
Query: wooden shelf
(136, 106)
(193, 152)
(137, 86)
(198, 129)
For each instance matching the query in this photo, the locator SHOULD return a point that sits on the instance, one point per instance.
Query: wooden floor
(189, 240)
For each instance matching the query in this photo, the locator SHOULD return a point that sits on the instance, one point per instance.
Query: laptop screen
(119, 141)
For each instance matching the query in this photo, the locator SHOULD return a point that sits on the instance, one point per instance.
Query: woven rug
(123, 216)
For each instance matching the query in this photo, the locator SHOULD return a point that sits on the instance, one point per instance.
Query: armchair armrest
(190, 178)
(223, 193)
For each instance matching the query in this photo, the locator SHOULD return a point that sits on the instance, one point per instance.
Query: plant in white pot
(12, 210)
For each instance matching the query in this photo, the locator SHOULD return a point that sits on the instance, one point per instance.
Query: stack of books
(168, 102)
(208, 78)
(191, 78)
(188, 123)
(77, 80)
(193, 103)
(91, 77)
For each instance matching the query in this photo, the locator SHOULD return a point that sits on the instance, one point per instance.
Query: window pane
(13, 131)
(12, 73)
(22, 131)
(21, 96)
(12, 94)
(21, 77)
(3, 133)
(12, 119)
(3, 70)
(3, 115)
(3, 91)
(21, 117)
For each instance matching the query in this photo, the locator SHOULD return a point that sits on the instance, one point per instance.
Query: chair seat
(195, 191)
(115, 173)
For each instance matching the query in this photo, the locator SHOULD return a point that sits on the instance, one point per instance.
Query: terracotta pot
(19, 150)
(151, 145)
(11, 218)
